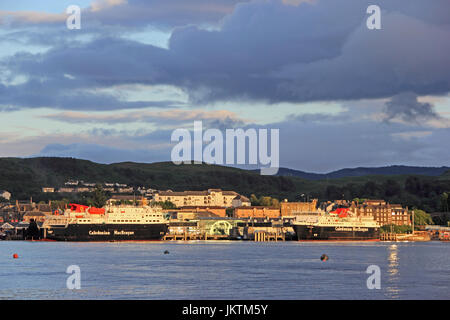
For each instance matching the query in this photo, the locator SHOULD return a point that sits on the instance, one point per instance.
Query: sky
(341, 95)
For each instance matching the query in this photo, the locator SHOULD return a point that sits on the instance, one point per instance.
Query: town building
(5, 195)
(241, 201)
(210, 197)
(71, 183)
(35, 215)
(125, 190)
(289, 209)
(256, 212)
(216, 210)
(18, 211)
(383, 212)
(195, 215)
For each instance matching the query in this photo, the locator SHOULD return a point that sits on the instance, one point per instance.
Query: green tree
(98, 198)
(444, 202)
(275, 203)
(254, 200)
(391, 188)
(59, 204)
(265, 201)
(388, 228)
(421, 218)
(165, 205)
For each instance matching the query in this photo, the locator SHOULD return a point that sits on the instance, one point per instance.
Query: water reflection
(393, 272)
(204, 270)
(393, 260)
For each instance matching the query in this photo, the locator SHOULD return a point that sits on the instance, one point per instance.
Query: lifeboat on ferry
(94, 210)
(341, 212)
(79, 208)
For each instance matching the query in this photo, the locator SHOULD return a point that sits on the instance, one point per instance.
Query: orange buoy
(15, 256)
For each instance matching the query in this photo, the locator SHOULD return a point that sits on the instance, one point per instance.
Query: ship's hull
(107, 232)
(336, 233)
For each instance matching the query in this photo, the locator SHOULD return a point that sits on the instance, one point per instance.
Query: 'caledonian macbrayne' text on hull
(336, 225)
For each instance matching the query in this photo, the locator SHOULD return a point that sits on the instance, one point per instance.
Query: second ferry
(337, 225)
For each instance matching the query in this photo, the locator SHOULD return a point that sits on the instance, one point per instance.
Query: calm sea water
(224, 270)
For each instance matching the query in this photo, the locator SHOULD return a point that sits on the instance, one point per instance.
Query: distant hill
(419, 187)
(446, 175)
(26, 177)
(362, 171)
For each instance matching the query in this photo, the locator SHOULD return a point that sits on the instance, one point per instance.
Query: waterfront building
(195, 215)
(256, 212)
(210, 197)
(16, 212)
(289, 209)
(210, 226)
(383, 212)
(216, 210)
(35, 215)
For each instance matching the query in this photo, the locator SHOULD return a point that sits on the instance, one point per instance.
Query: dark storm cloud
(273, 52)
(405, 106)
(165, 13)
(130, 13)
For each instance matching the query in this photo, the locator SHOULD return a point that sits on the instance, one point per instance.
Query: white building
(5, 194)
(241, 201)
(210, 197)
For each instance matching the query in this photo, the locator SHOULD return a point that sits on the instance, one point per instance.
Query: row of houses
(86, 189)
(24, 211)
(114, 188)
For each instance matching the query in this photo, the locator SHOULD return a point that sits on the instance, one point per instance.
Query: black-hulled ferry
(337, 225)
(113, 223)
